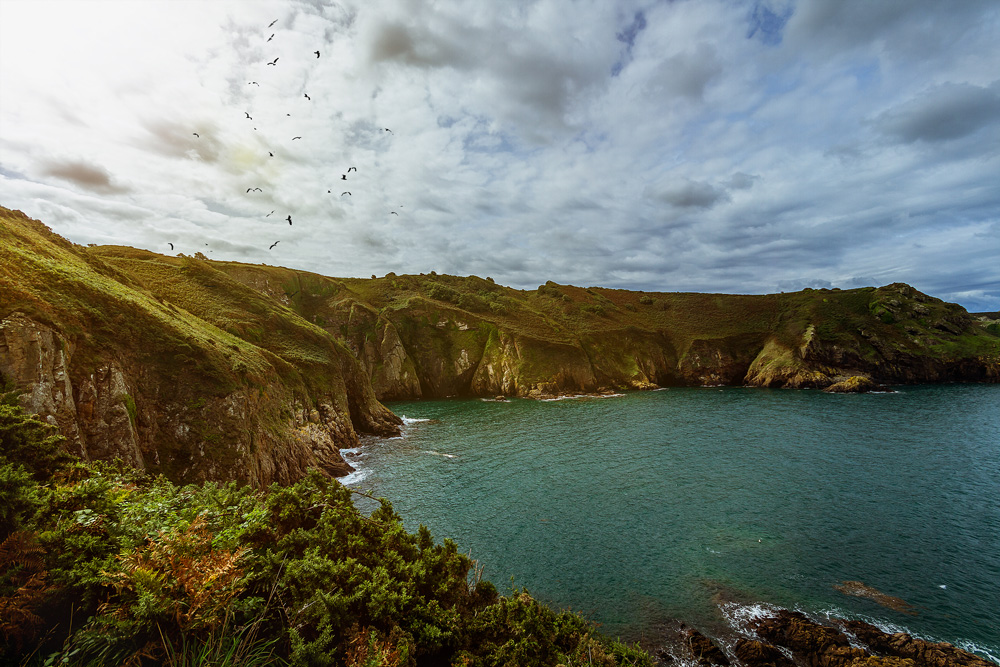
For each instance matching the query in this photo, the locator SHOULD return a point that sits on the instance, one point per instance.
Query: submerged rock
(861, 590)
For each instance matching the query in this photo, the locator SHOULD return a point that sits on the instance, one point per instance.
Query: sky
(735, 146)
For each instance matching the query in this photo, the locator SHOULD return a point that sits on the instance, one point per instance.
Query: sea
(642, 509)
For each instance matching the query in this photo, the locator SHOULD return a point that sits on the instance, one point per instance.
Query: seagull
(268, 215)
(350, 169)
(248, 115)
(274, 244)
(273, 62)
(196, 134)
(271, 37)
(294, 138)
(272, 23)
(307, 97)
(317, 53)
(289, 219)
(170, 244)
(345, 193)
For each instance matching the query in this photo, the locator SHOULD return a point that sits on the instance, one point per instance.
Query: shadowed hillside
(221, 370)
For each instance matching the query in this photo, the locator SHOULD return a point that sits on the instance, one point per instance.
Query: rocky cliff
(222, 370)
(432, 336)
(202, 379)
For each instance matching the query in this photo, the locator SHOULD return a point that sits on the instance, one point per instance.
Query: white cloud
(707, 145)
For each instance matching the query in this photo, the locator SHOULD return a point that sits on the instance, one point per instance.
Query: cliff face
(432, 336)
(222, 370)
(160, 382)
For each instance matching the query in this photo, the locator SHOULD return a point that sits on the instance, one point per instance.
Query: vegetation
(100, 565)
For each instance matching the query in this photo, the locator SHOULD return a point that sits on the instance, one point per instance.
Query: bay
(639, 508)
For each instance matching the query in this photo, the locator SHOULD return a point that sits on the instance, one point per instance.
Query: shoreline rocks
(787, 638)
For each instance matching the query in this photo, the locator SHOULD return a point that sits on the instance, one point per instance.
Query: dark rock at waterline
(923, 653)
(753, 653)
(816, 645)
(703, 650)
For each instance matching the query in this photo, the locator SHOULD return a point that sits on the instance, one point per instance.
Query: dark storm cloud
(688, 194)
(947, 111)
(89, 176)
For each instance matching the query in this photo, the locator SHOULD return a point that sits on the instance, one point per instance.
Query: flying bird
(345, 193)
(271, 37)
(307, 97)
(317, 53)
(196, 134)
(289, 219)
(170, 244)
(258, 189)
(388, 130)
(270, 153)
(273, 62)
(248, 115)
(294, 138)
(268, 215)
(350, 169)
(272, 23)
(343, 177)
(393, 213)
(274, 244)
(253, 83)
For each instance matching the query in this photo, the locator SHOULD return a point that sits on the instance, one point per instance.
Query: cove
(638, 508)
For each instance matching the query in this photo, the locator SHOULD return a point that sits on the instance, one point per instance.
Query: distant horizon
(714, 146)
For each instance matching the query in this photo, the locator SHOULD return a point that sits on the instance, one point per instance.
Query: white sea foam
(431, 451)
(358, 475)
(414, 420)
(739, 615)
(973, 647)
(570, 397)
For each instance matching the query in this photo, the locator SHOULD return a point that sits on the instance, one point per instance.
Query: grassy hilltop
(222, 370)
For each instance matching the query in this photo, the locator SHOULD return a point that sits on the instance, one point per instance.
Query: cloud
(687, 73)
(688, 194)
(89, 176)
(941, 113)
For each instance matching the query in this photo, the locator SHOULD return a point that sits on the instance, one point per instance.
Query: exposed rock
(856, 384)
(754, 653)
(861, 590)
(922, 653)
(703, 650)
(814, 644)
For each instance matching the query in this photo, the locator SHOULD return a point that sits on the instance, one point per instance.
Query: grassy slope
(187, 332)
(599, 336)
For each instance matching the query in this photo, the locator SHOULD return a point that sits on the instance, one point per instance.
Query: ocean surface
(645, 507)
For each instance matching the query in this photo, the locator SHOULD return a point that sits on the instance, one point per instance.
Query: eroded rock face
(842, 644)
(901, 645)
(119, 410)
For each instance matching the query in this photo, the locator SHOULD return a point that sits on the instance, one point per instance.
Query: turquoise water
(636, 509)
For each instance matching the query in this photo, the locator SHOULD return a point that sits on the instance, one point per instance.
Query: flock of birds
(343, 176)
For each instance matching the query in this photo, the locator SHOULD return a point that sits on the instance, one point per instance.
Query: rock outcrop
(129, 374)
(787, 637)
